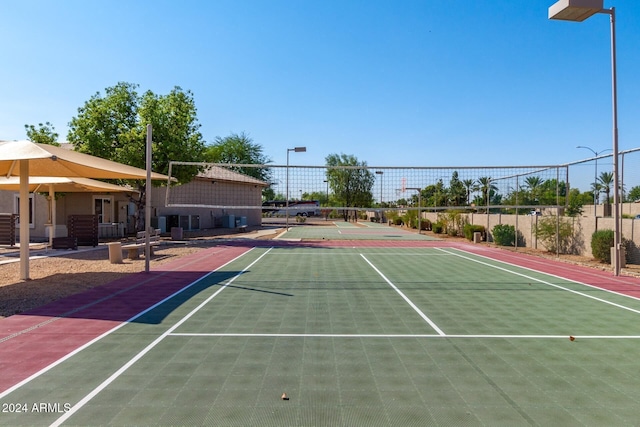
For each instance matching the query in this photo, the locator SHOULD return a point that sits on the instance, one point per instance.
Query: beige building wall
(218, 193)
(66, 204)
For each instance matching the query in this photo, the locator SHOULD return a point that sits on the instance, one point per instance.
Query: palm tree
(486, 187)
(534, 183)
(468, 184)
(605, 182)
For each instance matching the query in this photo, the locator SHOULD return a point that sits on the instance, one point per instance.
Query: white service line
(147, 349)
(624, 307)
(253, 335)
(424, 316)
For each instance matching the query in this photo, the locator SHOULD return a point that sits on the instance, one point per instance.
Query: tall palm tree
(605, 182)
(486, 187)
(468, 184)
(534, 183)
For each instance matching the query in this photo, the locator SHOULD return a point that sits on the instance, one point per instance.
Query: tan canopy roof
(63, 185)
(49, 160)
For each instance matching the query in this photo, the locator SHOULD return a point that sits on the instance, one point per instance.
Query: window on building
(16, 209)
(103, 207)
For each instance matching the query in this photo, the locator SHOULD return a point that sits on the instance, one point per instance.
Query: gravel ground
(56, 277)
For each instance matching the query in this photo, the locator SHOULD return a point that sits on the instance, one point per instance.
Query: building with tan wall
(210, 200)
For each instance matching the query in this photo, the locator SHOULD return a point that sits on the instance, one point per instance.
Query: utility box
(229, 221)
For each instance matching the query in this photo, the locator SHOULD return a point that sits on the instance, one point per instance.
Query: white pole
(24, 219)
(147, 204)
(52, 214)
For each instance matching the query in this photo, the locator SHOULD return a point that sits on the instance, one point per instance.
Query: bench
(242, 228)
(133, 248)
(64, 243)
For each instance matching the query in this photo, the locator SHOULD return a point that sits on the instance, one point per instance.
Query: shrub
(391, 216)
(410, 218)
(547, 232)
(504, 235)
(452, 222)
(437, 227)
(425, 224)
(469, 229)
(601, 244)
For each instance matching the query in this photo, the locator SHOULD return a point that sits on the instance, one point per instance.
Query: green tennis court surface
(357, 337)
(343, 230)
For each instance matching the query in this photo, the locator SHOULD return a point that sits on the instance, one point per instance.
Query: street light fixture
(595, 176)
(579, 10)
(296, 150)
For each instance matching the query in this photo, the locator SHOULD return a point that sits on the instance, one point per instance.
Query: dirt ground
(52, 278)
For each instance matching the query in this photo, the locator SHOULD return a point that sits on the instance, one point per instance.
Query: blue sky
(395, 83)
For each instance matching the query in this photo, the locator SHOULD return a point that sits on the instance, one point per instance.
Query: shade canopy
(49, 160)
(27, 159)
(63, 185)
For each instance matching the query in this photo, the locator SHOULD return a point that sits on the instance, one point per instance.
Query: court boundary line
(633, 310)
(457, 336)
(75, 408)
(411, 304)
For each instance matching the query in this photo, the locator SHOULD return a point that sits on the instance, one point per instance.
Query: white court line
(148, 348)
(624, 307)
(424, 316)
(253, 335)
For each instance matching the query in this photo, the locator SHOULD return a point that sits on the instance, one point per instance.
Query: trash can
(176, 233)
(115, 252)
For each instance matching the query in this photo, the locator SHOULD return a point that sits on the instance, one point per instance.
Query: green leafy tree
(113, 127)
(240, 149)
(552, 191)
(457, 192)
(351, 187)
(43, 134)
(440, 194)
(576, 201)
(634, 194)
(320, 196)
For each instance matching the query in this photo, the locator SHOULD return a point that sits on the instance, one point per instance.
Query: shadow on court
(155, 294)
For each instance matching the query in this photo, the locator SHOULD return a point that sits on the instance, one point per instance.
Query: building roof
(223, 174)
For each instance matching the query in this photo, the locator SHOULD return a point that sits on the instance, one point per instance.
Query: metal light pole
(297, 150)
(326, 181)
(381, 173)
(595, 176)
(578, 11)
